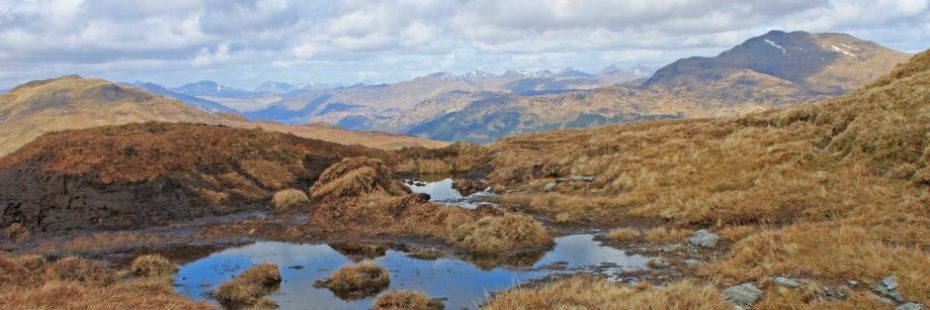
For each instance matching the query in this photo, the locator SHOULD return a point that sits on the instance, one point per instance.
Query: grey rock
(890, 282)
(853, 283)
(910, 306)
(743, 295)
(786, 282)
(888, 287)
(882, 300)
(549, 186)
(692, 262)
(704, 238)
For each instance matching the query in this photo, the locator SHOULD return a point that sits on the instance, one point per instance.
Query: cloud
(243, 42)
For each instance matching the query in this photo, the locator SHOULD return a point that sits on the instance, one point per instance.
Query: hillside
(151, 173)
(774, 70)
(72, 102)
(792, 192)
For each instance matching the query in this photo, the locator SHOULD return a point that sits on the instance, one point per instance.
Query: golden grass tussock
(32, 282)
(249, 287)
(354, 177)
(585, 292)
(288, 199)
(76, 269)
(406, 300)
(624, 234)
(152, 265)
(495, 234)
(663, 235)
(357, 280)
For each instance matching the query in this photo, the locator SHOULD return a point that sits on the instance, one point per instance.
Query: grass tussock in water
(584, 292)
(32, 282)
(357, 280)
(152, 265)
(249, 288)
(359, 196)
(491, 234)
(624, 234)
(406, 300)
(288, 199)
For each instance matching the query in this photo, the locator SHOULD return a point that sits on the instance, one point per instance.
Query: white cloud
(246, 41)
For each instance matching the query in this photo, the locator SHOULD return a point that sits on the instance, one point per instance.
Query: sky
(244, 43)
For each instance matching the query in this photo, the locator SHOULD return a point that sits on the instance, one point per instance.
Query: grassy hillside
(72, 102)
(830, 192)
(149, 173)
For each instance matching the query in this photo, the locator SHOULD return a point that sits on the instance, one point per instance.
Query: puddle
(442, 192)
(460, 283)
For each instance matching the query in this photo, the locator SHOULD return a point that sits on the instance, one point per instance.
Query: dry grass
(663, 235)
(288, 199)
(354, 177)
(152, 265)
(75, 269)
(357, 280)
(249, 287)
(31, 282)
(625, 234)
(583, 292)
(830, 192)
(359, 197)
(406, 300)
(495, 234)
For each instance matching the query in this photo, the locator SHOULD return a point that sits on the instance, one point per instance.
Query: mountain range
(764, 72)
(72, 102)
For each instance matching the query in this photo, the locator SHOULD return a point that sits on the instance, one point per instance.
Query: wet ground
(460, 282)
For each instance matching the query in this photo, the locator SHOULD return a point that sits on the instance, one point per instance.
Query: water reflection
(442, 192)
(460, 282)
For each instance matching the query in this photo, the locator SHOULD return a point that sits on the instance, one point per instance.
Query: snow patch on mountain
(775, 45)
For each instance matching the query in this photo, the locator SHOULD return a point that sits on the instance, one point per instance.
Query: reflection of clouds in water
(463, 283)
(583, 250)
(442, 192)
(438, 191)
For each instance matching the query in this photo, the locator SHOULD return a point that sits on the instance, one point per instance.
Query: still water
(442, 192)
(461, 283)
